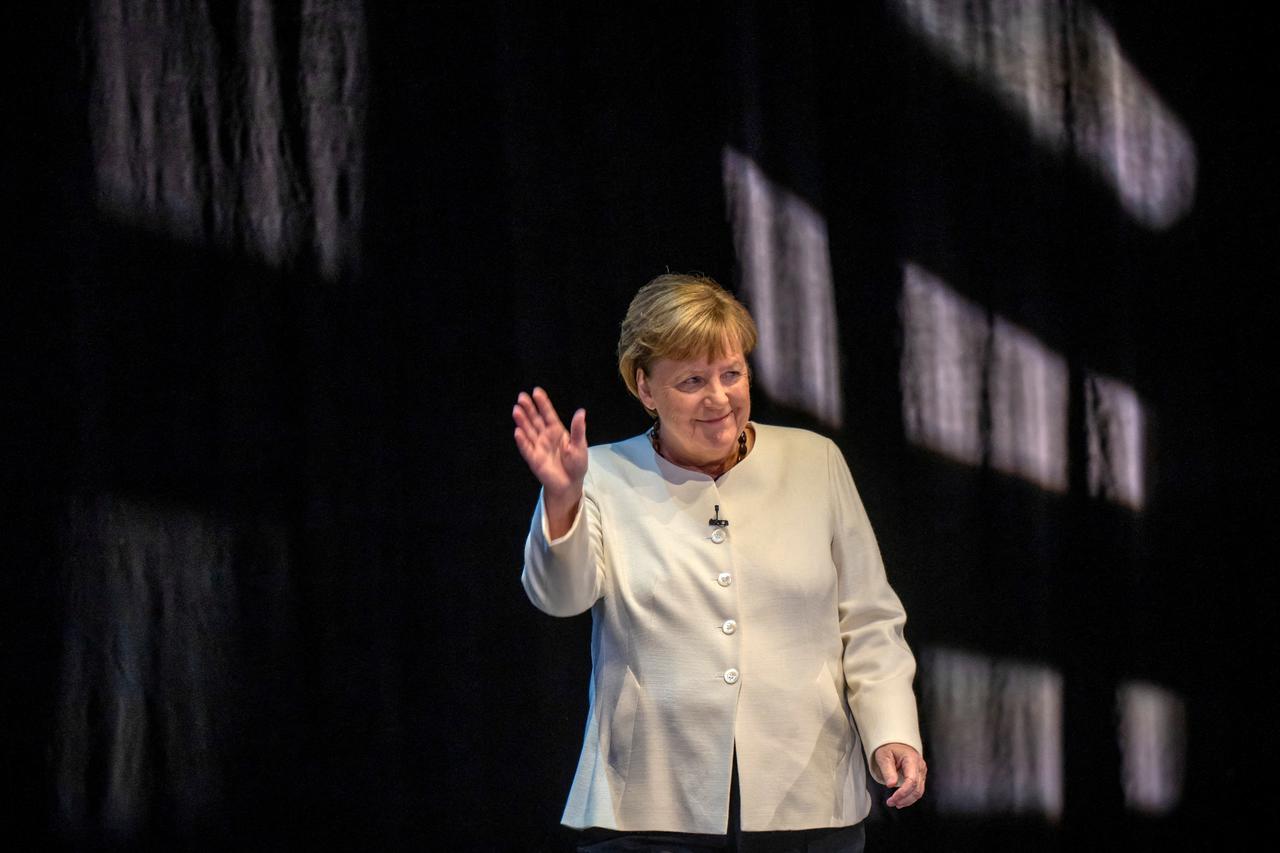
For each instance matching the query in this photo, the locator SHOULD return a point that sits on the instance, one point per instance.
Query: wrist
(561, 508)
(562, 498)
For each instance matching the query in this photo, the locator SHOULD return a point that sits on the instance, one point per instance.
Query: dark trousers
(843, 839)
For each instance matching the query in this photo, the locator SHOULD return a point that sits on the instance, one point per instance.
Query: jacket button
(717, 536)
(729, 626)
(730, 676)
(724, 579)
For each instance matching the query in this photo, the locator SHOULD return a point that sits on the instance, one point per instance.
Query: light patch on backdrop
(781, 243)
(145, 711)
(1027, 394)
(995, 734)
(1152, 747)
(979, 388)
(944, 344)
(1060, 67)
(1116, 423)
(193, 134)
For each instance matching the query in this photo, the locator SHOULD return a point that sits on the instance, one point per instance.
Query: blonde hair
(680, 316)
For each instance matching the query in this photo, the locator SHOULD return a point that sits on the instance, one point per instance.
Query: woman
(746, 646)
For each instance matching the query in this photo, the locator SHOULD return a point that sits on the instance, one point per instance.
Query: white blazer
(777, 634)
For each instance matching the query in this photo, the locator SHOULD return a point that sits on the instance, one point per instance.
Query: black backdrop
(265, 515)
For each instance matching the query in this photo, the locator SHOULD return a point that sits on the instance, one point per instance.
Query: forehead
(711, 347)
(704, 361)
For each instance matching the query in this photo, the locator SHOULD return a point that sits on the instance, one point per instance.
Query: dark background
(320, 471)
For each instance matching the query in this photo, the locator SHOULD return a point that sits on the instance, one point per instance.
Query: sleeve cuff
(546, 529)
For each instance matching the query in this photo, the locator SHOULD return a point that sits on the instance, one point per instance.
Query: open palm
(556, 456)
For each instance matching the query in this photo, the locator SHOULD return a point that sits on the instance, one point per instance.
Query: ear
(642, 388)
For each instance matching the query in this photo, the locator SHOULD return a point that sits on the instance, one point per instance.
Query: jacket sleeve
(565, 576)
(878, 665)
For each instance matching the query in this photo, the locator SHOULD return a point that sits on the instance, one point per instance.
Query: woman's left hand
(903, 768)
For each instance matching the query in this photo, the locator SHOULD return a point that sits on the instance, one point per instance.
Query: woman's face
(704, 404)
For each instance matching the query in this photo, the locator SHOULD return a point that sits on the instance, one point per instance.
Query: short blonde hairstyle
(680, 316)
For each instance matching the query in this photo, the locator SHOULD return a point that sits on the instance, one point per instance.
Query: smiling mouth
(719, 419)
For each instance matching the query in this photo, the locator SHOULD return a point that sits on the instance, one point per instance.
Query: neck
(712, 469)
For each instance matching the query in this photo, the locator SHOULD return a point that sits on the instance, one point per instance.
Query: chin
(729, 428)
(725, 442)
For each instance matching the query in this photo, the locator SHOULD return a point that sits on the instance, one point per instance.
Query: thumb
(888, 767)
(578, 429)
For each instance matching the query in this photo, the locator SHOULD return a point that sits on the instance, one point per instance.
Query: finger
(531, 412)
(913, 765)
(523, 444)
(525, 421)
(529, 433)
(578, 429)
(902, 801)
(907, 794)
(914, 771)
(545, 409)
(527, 450)
(528, 447)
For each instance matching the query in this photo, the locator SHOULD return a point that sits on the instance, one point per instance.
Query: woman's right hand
(556, 456)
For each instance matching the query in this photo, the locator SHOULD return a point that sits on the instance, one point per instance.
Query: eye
(732, 376)
(691, 382)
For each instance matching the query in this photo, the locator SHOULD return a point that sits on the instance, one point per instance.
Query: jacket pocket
(622, 725)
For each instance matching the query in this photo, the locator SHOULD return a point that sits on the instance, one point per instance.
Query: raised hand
(556, 456)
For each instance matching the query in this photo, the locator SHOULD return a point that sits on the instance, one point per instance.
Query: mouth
(718, 420)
